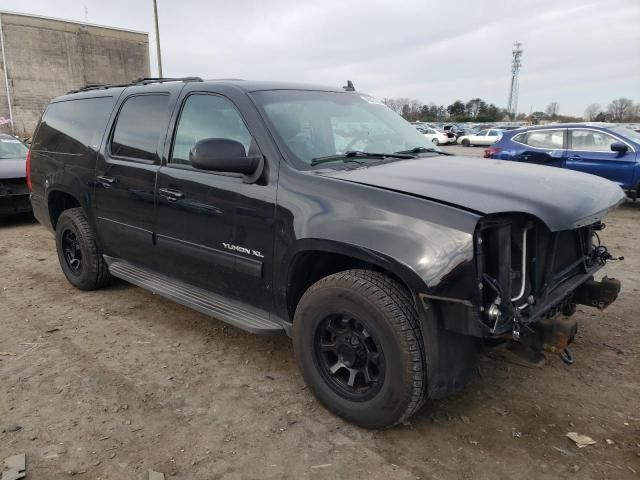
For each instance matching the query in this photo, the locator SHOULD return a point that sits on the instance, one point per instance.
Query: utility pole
(155, 14)
(512, 106)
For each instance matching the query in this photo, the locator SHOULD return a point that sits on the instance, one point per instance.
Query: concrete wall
(46, 58)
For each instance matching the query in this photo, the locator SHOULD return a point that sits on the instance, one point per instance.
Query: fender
(429, 246)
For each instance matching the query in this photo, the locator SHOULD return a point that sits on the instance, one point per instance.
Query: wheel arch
(314, 259)
(60, 199)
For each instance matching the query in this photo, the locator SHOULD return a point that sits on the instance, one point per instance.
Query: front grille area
(521, 288)
(13, 186)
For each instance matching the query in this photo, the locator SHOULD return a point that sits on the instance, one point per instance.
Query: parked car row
(606, 150)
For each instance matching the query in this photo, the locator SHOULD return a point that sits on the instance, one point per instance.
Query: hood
(13, 167)
(562, 199)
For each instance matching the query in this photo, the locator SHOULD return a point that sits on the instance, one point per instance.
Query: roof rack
(140, 81)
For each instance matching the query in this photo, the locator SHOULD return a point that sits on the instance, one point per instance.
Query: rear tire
(435, 142)
(79, 255)
(364, 322)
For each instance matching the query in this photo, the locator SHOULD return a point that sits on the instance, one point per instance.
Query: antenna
(86, 13)
(512, 106)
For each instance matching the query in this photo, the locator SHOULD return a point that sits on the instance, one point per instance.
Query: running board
(232, 312)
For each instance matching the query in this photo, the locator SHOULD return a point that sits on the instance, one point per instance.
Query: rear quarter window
(72, 126)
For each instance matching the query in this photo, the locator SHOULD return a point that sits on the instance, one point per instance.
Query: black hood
(562, 199)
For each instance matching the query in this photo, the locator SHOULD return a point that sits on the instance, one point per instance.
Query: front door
(214, 230)
(126, 174)
(590, 152)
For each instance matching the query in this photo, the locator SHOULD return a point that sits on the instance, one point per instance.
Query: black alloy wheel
(349, 358)
(72, 251)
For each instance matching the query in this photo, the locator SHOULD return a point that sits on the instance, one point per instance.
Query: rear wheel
(80, 258)
(435, 142)
(357, 341)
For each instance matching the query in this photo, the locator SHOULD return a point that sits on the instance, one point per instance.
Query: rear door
(214, 230)
(590, 152)
(126, 172)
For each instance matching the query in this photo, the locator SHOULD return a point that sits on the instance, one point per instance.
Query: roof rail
(140, 81)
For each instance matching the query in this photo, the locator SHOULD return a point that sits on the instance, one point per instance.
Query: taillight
(28, 168)
(489, 152)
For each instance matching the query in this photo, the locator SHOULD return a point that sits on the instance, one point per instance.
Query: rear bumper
(40, 211)
(14, 204)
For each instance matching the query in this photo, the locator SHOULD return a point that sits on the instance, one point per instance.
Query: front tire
(466, 143)
(435, 142)
(79, 255)
(357, 340)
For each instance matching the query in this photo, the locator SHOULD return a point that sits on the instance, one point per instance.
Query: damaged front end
(529, 275)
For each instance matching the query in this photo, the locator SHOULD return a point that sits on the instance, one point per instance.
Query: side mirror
(619, 147)
(224, 155)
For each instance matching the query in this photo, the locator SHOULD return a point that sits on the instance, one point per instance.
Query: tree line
(477, 110)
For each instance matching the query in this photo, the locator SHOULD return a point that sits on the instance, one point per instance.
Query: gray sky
(576, 52)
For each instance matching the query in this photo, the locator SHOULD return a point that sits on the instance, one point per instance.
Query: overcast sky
(576, 52)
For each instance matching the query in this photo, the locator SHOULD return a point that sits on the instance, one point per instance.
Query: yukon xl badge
(237, 248)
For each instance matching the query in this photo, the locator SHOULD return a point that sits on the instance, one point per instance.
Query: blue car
(606, 150)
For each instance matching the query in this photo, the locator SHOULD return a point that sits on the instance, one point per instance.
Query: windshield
(12, 148)
(626, 132)
(316, 124)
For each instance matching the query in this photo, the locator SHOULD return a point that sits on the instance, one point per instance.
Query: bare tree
(552, 109)
(621, 109)
(592, 111)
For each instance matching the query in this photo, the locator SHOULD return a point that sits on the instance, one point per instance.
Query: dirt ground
(109, 384)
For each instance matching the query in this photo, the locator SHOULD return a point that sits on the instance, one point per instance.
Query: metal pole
(155, 13)
(6, 77)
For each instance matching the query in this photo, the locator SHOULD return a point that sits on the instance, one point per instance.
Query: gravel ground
(109, 384)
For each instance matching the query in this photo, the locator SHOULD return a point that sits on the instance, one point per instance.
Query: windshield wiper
(352, 154)
(424, 149)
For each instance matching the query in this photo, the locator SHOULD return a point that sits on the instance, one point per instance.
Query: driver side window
(207, 116)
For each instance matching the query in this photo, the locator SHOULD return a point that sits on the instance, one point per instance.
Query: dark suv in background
(319, 213)
(14, 191)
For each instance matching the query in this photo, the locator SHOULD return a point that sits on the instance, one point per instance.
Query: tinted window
(140, 125)
(70, 126)
(207, 116)
(542, 138)
(483, 133)
(591, 140)
(11, 148)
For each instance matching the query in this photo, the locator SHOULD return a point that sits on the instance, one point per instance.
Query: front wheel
(435, 142)
(357, 340)
(466, 143)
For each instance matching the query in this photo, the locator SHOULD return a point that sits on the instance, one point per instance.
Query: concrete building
(43, 58)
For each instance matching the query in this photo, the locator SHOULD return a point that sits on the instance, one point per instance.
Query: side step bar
(232, 312)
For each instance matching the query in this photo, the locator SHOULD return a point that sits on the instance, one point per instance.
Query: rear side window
(542, 138)
(72, 126)
(140, 124)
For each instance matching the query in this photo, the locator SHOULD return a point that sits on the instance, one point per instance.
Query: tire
(75, 241)
(466, 143)
(386, 314)
(435, 142)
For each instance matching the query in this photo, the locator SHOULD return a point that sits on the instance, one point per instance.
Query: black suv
(319, 213)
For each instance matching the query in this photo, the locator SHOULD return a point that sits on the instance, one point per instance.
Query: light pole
(155, 13)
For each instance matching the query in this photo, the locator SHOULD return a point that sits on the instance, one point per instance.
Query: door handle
(105, 180)
(170, 194)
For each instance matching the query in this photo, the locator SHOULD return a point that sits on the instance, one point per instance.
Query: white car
(433, 135)
(484, 137)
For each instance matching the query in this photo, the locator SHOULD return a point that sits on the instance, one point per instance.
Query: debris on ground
(324, 465)
(581, 440)
(155, 475)
(16, 467)
(7, 354)
(12, 428)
